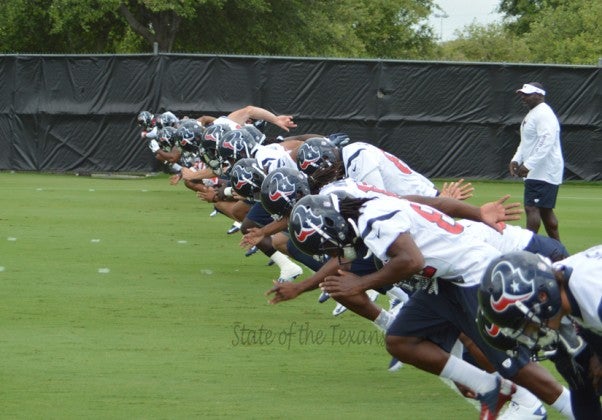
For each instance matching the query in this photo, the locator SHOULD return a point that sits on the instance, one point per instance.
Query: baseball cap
(529, 89)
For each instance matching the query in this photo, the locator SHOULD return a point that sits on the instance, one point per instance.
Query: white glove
(154, 146)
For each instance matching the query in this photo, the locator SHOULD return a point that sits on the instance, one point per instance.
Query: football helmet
(316, 152)
(246, 178)
(258, 136)
(281, 189)
(493, 335)
(165, 137)
(233, 146)
(167, 119)
(146, 120)
(189, 136)
(317, 228)
(519, 293)
(208, 147)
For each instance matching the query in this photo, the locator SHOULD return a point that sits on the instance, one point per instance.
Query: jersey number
(398, 163)
(436, 217)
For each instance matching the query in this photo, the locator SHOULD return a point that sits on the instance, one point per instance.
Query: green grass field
(124, 299)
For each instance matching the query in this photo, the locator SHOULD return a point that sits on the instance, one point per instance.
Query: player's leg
(257, 217)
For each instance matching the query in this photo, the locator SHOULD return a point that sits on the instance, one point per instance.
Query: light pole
(441, 15)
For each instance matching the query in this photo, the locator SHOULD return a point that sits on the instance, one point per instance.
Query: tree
(489, 43)
(569, 33)
(336, 28)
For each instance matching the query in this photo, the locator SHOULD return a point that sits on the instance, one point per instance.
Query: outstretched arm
(290, 290)
(252, 112)
(489, 213)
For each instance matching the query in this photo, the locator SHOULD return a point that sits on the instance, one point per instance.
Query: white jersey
(273, 156)
(513, 238)
(585, 287)
(367, 163)
(450, 253)
(354, 189)
(539, 149)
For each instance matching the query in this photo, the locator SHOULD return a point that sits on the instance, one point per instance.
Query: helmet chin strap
(349, 253)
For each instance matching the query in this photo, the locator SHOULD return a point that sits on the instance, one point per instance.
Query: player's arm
(241, 116)
(206, 120)
(290, 290)
(190, 175)
(489, 213)
(405, 260)
(255, 235)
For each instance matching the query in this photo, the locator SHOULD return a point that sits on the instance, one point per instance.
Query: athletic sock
(525, 398)
(398, 293)
(285, 264)
(468, 375)
(563, 404)
(383, 320)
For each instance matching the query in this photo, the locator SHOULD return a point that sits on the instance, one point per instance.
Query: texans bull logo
(304, 221)
(280, 187)
(234, 143)
(515, 287)
(308, 156)
(243, 176)
(214, 133)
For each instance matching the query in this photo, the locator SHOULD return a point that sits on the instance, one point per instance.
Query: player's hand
(252, 237)
(188, 174)
(496, 211)
(522, 171)
(207, 194)
(282, 292)
(513, 168)
(343, 284)
(237, 196)
(457, 190)
(285, 122)
(174, 179)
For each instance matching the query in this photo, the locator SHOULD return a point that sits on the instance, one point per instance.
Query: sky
(461, 13)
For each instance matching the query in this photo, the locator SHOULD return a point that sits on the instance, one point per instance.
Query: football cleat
(234, 228)
(270, 262)
(324, 296)
(494, 400)
(213, 213)
(394, 365)
(338, 310)
(290, 274)
(520, 412)
(251, 251)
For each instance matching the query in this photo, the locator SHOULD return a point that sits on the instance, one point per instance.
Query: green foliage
(492, 43)
(566, 33)
(542, 31)
(570, 33)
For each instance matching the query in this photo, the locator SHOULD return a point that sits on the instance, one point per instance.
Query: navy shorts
(548, 247)
(440, 318)
(540, 194)
(259, 215)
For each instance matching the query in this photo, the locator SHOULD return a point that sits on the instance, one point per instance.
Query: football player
(413, 239)
(324, 162)
(528, 297)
